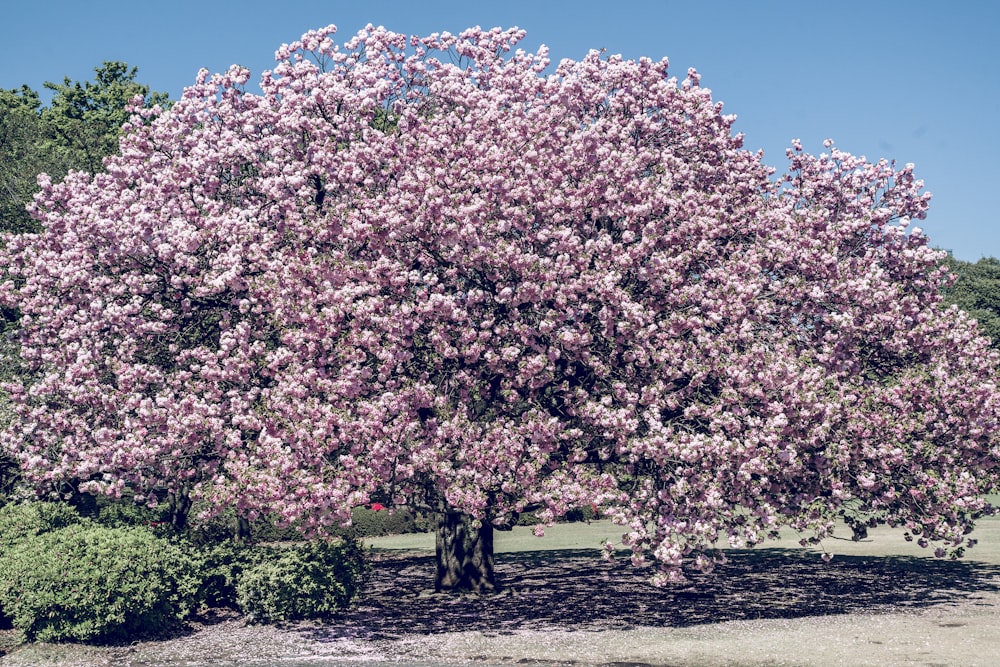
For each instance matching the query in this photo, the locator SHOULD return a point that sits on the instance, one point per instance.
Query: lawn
(881, 541)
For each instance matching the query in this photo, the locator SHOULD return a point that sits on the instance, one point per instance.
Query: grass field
(582, 536)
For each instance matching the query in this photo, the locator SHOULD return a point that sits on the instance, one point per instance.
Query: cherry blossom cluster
(444, 271)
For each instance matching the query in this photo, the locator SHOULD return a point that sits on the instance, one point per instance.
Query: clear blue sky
(911, 80)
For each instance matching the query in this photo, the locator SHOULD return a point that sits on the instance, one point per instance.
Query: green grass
(521, 538)
(575, 536)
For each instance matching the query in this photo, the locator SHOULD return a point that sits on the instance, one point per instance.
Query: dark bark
(464, 555)
(180, 507)
(241, 530)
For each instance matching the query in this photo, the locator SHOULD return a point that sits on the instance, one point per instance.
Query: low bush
(221, 566)
(10, 474)
(22, 521)
(220, 528)
(577, 514)
(88, 582)
(126, 513)
(270, 529)
(19, 521)
(366, 522)
(308, 580)
(204, 530)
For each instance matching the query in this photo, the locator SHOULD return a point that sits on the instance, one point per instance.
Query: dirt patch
(765, 607)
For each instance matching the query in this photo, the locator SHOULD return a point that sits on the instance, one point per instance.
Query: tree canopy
(442, 272)
(976, 290)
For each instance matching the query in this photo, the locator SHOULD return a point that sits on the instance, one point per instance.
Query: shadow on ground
(575, 590)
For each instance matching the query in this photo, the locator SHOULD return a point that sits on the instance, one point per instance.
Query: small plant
(270, 529)
(207, 529)
(309, 580)
(88, 582)
(10, 472)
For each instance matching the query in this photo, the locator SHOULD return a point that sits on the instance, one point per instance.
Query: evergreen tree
(976, 290)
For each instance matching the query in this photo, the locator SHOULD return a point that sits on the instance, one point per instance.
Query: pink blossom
(493, 287)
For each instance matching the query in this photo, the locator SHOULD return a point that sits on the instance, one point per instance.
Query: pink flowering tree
(441, 272)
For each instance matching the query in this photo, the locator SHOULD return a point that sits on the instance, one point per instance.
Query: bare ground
(767, 607)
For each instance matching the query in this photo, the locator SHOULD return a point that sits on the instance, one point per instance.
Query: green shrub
(221, 527)
(308, 580)
(10, 472)
(269, 529)
(93, 583)
(367, 522)
(19, 521)
(579, 514)
(206, 531)
(221, 566)
(575, 515)
(125, 513)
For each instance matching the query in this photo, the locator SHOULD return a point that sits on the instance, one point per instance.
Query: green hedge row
(64, 577)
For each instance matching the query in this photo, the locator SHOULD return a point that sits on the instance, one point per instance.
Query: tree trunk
(464, 555)
(241, 530)
(180, 507)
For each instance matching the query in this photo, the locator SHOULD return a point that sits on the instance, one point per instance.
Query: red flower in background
(377, 506)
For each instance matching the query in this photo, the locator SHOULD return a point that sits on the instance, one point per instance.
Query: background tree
(77, 130)
(85, 119)
(22, 156)
(428, 272)
(976, 290)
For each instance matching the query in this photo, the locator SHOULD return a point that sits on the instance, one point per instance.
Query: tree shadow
(575, 590)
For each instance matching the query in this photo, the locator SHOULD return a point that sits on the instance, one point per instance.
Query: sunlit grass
(881, 541)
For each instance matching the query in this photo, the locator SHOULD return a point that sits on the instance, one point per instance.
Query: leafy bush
(367, 522)
(575, 515)
(10, 472)
(19, 521)
(309, 580)
(221, 527)
(208, 530)
(269, 529)
(89, 582)
(125, 513)
(586, 513)
(204, 531)
(221, 567)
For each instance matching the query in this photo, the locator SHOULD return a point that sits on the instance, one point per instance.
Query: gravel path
(764, 608)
